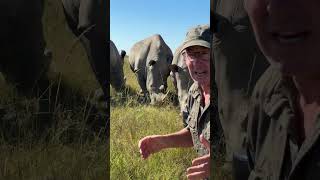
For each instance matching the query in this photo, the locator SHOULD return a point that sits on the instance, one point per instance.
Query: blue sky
(134, 20)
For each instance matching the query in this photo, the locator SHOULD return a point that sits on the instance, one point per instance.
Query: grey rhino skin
(117, 79)
(87, 19)
(181, 77)
(22, 45)
(149, 59)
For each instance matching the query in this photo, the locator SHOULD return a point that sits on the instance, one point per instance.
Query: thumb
(205, 142)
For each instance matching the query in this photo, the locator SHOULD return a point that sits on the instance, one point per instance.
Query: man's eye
(203, 53)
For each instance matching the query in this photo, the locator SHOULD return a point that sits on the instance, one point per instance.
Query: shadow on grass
(62, 115)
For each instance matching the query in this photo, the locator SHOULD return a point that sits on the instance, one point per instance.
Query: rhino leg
(142, 82)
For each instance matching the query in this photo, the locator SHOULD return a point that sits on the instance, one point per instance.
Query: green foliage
(128, 125)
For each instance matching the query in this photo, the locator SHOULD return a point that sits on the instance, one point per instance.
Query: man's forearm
(181, 138)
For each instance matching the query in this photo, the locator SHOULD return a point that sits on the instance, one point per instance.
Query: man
(283, 128)
(196, 48)
(238, 65)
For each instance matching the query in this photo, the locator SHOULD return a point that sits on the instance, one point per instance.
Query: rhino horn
(161, 88)
(165, 96)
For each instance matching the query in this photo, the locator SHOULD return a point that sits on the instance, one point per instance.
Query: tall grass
(128, 125)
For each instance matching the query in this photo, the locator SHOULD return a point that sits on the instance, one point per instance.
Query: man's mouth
(202, 73)
(290, 37)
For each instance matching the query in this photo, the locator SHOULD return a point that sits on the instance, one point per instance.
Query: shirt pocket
(192, 119)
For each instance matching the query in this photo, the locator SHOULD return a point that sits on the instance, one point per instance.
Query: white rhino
(117, 79)
(149, 59)
(181, 77)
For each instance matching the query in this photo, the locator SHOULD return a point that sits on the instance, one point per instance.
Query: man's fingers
(205, 142)
(198, 168)
(197, 175)
(149, 145)
(201, 160)
(143, 149)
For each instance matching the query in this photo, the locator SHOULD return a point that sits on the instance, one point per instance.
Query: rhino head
(157, 74)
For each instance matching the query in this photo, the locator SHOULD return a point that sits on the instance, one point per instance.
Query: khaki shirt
(198, 121)
(273, 138)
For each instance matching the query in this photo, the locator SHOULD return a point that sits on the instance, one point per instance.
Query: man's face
(288, 33)
(198, 61)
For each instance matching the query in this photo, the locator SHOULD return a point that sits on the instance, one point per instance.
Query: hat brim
(196, 42)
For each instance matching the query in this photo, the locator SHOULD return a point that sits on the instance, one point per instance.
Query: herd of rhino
(152, 62)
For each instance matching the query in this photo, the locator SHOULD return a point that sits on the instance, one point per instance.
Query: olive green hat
(198, 36)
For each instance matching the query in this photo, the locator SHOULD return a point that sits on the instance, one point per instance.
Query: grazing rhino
(149, 59)
(117, 79)
(181, 77)
(87, 19)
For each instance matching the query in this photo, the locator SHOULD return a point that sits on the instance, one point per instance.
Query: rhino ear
(173, 67)
(152, 62)
(123, 53)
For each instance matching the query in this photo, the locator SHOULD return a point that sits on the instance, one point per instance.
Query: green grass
(128, 125)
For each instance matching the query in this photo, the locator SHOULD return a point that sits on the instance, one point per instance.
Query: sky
(134, 20)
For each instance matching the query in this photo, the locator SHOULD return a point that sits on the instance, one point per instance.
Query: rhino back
(182, 78)
(178, 58)
(151, 48)
(115, 59)
(138, 55)
(71, 8)
(233, 10)
(160, 52)
(87, 14)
